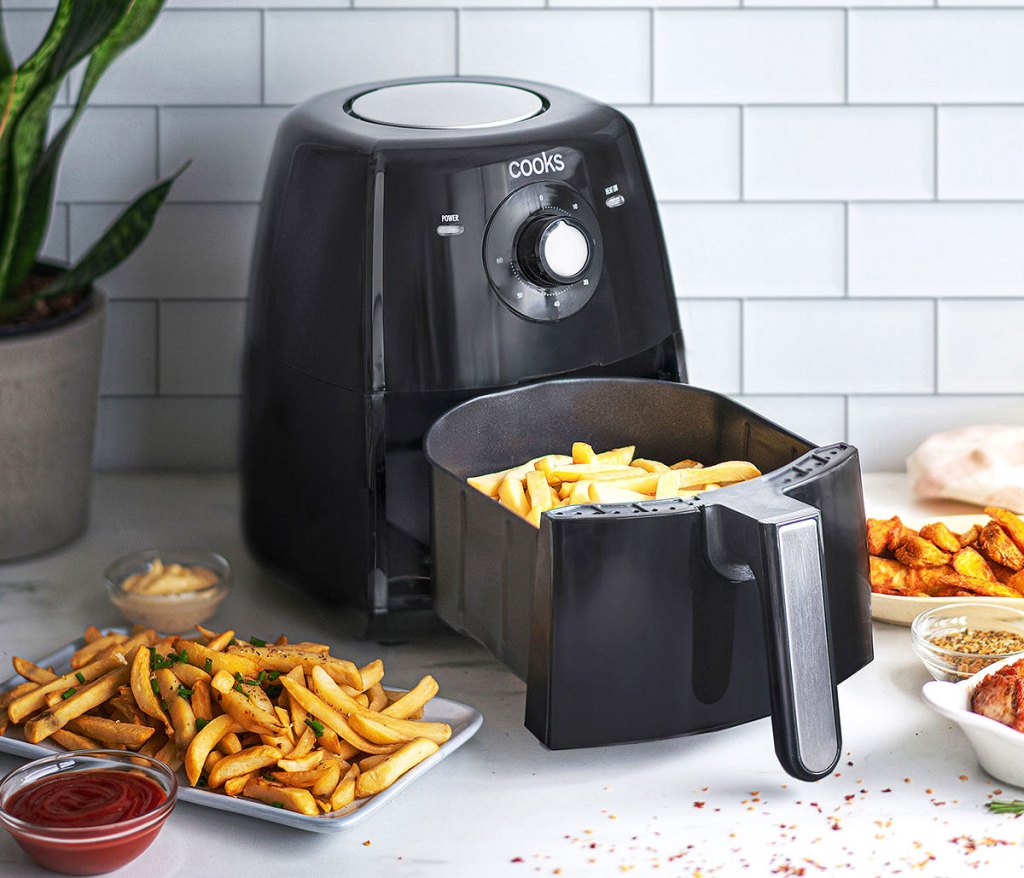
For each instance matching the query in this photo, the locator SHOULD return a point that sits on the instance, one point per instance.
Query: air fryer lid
(447, 105)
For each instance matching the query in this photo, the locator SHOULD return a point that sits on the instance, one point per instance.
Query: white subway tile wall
(841, 185)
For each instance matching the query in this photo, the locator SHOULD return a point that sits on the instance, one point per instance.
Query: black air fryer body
(421, 244)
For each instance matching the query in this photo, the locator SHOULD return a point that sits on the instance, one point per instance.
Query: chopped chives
(315, 725)
(80, 677)
(183, 692)
(238, 688)
(153, 685)
(273, 675)
(238, 677)
(232, 642)
(262, 678)
(201, 782)
(255, 641)
(208, 666)
(200, 723)
(163, 704)
(67, 693)
(277, 804)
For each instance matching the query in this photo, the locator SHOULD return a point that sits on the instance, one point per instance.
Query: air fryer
(421, 243)
(701, 613)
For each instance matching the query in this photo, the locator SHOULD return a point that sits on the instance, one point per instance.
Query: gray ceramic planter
(49, 387)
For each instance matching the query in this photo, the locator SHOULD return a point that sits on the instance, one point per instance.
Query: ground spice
(979, 642)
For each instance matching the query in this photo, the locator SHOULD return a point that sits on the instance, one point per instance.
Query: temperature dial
(543, 251)
(554, 251)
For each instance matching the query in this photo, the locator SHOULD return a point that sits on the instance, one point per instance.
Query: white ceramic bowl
(999, 749)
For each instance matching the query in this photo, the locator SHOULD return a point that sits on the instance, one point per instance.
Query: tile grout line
(935, 153)
(263, 57)
(458, 42)
(935, 347)
(743, 318)
(846, 249)
(846, 55)
(156, 348)
(652, 24)
(742, 157)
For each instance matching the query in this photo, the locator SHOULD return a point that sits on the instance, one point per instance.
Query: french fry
(204, 657)
(73, 741)
(327, 784)
(202, 700)
(235, 786)
(285, 658)
(392, 729)
(344, 794)
(142, 689)
(330, 717)
(31, 701)
(82, 700)
(412, 701)
(189, 674)
(968, 562)
(247, 715)
(32, 672)
(622, 456)
(179, 709)
(92, 650)
(244, 762)
(512, 495)
(378, 700)
(205, 740)
(291, 798)
(306, 763)
(110, 732)
(381, 776)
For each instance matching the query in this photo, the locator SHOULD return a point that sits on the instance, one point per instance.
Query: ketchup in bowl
(89, 811)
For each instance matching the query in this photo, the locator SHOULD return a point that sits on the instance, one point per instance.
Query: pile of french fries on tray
(287, 724)
(615, 476)
(985, 561)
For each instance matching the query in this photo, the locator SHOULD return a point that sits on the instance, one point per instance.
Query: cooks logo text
(536, 165)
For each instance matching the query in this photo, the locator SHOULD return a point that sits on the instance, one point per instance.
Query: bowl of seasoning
(89, 811)
(171, 590)
(956, 641)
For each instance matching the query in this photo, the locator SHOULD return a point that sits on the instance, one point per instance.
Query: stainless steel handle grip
(777, 541)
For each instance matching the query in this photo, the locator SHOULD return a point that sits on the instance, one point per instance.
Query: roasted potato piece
(969, 563)
(941, 536)
(291, 798)
(881, 533)
(976, 586)
(996, 545)
(1011, 523)
(970, 536)
(889, 574)
(916, 551)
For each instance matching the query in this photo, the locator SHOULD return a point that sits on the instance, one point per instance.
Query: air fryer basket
(699, 613)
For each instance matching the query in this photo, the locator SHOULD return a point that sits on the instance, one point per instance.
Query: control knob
(554, 251)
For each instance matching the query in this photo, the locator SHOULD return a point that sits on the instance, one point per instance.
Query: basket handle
(776, 540)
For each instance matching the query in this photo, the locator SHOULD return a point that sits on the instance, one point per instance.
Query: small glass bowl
(88, 850)
(949, 665)
(168, 613)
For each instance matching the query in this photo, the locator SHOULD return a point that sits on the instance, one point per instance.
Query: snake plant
(97, 30)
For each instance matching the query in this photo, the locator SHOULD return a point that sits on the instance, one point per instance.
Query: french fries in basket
(983, 561)
(614, 476)
(284, 724)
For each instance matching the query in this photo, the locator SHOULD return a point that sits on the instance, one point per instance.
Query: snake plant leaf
(117, 242)
(132, 26)
(89, 24)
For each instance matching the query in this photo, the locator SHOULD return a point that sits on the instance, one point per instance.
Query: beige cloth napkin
(982, 464)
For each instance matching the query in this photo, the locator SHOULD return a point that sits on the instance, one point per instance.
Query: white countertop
(907, 796)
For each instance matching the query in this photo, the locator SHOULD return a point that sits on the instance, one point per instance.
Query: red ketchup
(82, 801)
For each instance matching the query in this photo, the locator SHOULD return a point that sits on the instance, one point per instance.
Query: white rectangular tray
(464, 720)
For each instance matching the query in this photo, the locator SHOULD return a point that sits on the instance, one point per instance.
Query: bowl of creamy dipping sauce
(171, 590)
